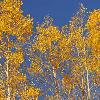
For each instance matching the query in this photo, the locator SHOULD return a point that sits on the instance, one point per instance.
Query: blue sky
(60, 10)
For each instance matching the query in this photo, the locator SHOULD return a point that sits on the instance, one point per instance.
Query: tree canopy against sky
(61, 10)
(52, 62)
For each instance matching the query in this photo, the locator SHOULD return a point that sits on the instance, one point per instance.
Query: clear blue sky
(60, 10)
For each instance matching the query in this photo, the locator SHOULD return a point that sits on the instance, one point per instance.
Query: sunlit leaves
(29, 93)
(93, 25)
(12, 20)
(46, 36)
(52, 62)
(2, 90)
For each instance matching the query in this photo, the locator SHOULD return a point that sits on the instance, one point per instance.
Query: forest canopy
(52, 63)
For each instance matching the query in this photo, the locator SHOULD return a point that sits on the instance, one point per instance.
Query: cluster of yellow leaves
(92, 40)
(93, 26)
(69, 83)
(12, 20)
(45, 41)
(46, 36)
(15, 78)
(92, 63)
(64, 45)
(12, 64)
(29, 92)
(2, 91)
(15, 58)
(76, 30)
(76, 39)
(55, 58)
(2, 94)
(93, 23)
(35, 67)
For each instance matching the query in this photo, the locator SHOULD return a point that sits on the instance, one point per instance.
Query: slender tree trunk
(58, 96)
(83, 87)
(88, 87)
(87, 75)
(7, 73)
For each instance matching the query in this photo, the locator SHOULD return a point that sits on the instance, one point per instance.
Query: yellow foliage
(46, 36)
(2, 90)
(94, 21)
(93, 64)
(93, 40)
(68, 83)
(29, 92)
(49, 35)
(2, 93)
(12, 20)
(15, 58)
(55, 58)
(93, 26)
(77, 28)
(35, 68)
(15, 78)
(76, 37)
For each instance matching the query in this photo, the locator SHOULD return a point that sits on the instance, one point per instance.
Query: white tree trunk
(88, 87)
(7, 73)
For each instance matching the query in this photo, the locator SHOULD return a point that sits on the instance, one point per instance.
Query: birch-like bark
(7, 73)
(87, 79)
(88, 87)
